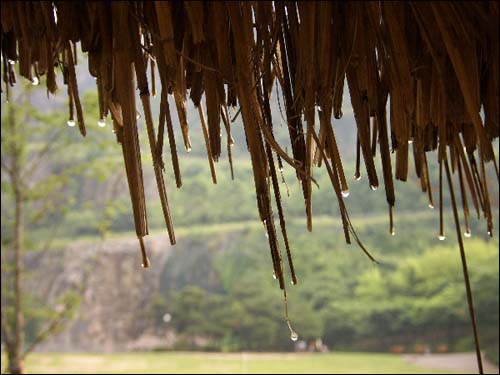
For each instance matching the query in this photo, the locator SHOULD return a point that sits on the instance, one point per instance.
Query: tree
(40, 180)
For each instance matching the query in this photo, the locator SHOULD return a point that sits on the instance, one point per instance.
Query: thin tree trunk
(16, 365)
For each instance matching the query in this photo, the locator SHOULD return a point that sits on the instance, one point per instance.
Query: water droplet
(293, 282)
(11, 62)
(188, 149)
(441, 237)
(490, 233)
(71, 123)
(35, 81)
(167, 318)
(410, 141)
(294, 336)
(393, 232)
(138, 116)
(467, 233)
(101, 123)
(431, 206)
(357, 177)
(274, 276)
(345, 193)
(373, 187)
(280, 169)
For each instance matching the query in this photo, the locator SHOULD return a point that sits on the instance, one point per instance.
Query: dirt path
(464, 362)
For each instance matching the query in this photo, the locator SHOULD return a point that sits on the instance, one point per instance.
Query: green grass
(180, 362)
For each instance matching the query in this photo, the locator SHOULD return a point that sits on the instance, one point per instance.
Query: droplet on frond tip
(145, 259)
(145, 263)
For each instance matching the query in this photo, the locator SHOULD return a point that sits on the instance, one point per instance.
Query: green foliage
(415, 295)
(423, 297)
(62, 171)
(247, 319)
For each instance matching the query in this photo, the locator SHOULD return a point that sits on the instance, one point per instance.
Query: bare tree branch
(59, 319)
(51, 200)
(6, 167)
(7, 334)
(53, 235)
(42, 335)
(42, 154)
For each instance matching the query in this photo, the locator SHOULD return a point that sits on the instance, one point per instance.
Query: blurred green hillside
(222, 288)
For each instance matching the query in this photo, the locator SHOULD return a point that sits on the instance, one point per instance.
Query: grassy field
(195, 363)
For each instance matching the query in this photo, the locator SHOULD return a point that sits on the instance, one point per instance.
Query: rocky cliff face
(114, 290)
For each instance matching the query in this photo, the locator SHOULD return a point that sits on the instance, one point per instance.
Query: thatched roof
(436, 64)
(424, 74)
